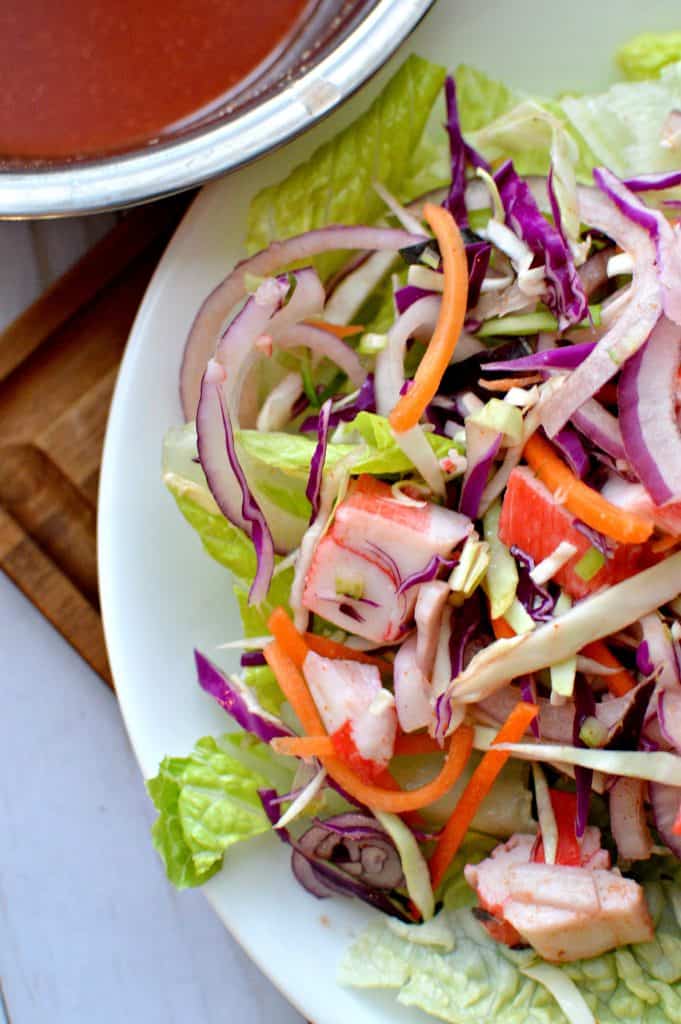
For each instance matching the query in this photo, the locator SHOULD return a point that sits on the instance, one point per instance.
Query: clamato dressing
(82, 77)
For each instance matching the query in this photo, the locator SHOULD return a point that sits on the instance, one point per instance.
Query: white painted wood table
(90, 932)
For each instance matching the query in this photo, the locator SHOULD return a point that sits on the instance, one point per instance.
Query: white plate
(161, 596)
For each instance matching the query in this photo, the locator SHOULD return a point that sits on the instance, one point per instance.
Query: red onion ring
(217, 307)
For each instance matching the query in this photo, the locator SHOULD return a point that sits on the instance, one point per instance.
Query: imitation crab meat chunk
(373, 545)
(565, 913)
(357, 712)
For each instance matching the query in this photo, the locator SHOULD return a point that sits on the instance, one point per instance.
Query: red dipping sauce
(80, 77)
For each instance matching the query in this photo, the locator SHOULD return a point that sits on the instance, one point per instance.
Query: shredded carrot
(478, 787)
(619, 682)
(438, 354)
(397, 802)
(303, 746)
(294, 688)
(506, 383)
(502, 630)
(332, 649)
(580, 499)
(664, 544)
(381, 797)
(416, 744)
(340, 330)
(297, 645)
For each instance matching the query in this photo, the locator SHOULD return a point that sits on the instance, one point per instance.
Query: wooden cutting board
(58, 367)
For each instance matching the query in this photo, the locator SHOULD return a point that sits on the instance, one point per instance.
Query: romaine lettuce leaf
(623, 126)
(646, 55)
(479, 979)
(382, 456)
(207, 802)
(334, 186)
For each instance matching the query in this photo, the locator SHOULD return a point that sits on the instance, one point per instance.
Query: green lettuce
(334, 186)
(623, 126)
(466, 977)
(208, 801)
(647, 54)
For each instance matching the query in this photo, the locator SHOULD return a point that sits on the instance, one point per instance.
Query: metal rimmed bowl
(339, 45)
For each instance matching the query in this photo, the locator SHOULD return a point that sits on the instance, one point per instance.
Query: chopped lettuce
(481, 99)
(479, 979)
(381, 455)
(623, 126)
(646, 55)
(207, 802)
(334, 186)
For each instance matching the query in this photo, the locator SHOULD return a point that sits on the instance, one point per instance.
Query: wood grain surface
(58, 367)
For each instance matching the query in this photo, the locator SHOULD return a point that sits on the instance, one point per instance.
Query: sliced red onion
(667, 241)
(238, 701)
(596, 539)
(428, 573)
(628, 819)
(324, 343)
(217, 307)
(314, 482)
(647, 407)
(653, 182)
(390, 381)
(665, 801)
(633, 324)
(661, 651)
(565, 358)
(573, 451)
(669, 716)
(482, 447)
(345, 297)
(600, 426)
(226, 478)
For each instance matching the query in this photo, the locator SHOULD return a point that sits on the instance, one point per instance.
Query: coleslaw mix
(433, 431)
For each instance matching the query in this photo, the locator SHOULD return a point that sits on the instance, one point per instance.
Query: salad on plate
(433, 432)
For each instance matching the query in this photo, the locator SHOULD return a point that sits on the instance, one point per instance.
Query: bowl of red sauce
(107, 103)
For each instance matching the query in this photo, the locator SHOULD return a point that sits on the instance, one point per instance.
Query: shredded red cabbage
(478, 255)
(252, 659)
(565, 358)
(565, 294)
(238, 701)
(573, 451)
(535, 599)
(428, 573)
(314, 483)
(460, 154)
(408, 295)
(643, 662)
(365, 401)
(477, 474)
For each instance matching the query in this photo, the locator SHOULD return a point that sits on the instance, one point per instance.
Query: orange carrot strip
(478, 787)
(502, 630)
(416, 744)
(438, 354)
(304, 746)
(287, 636)
(332, 649)
(340, 330)
(619, 682)
(580, 499)
(294, 688)
(381, 798)
(397, 802)
(506, 383)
